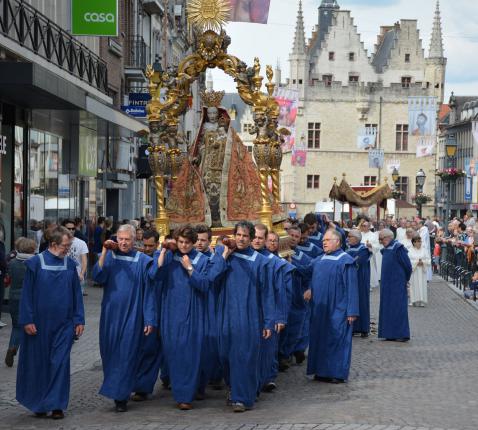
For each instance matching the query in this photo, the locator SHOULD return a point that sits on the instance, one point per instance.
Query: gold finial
(343, 175)
(212, 98)
(335, 179)
(208, 14)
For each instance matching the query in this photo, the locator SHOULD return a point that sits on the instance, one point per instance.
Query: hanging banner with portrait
(367, 138)
(376, 158)
(422, 113)
(288, 101)
(256, 11)
(425, 146)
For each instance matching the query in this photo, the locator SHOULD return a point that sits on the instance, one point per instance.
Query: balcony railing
(23, 24)
(137, 53)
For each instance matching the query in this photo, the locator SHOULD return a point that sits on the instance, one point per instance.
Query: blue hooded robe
(183, 311)
(334, 290)
(293, 336)
(316, 238)
(396, 272)
(310, 249)
(128, 306)
(245, 308)
(151, 356)
(361, 254)
(52, 300)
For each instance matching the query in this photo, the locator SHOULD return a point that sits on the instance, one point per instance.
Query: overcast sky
(273, 42)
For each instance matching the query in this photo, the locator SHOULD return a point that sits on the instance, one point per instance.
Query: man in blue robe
(294, 339)
(361, 254)
(185, 284)
(277, 267)
(396, 271)
(51, 313)
(211, 371)
(316, 229)
(246, 314)
(305, 245)
(151, 357)
(334, 307)
(128, 311)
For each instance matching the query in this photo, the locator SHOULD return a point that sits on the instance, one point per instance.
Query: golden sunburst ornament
(209, 14)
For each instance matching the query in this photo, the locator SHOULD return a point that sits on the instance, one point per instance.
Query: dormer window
(331, 56)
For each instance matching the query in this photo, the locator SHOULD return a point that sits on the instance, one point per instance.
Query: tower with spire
(298, 56)
(436, 61)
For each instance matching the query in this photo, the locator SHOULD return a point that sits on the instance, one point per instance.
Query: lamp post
(420, 182)
(396, 191)
(450, 149)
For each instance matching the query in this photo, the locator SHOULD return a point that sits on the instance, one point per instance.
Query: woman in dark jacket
(16, 270)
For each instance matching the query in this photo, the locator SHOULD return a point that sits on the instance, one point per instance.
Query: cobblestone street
(429, 383)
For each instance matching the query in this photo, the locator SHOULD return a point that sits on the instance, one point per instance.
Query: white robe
(375, 262)
(401, 234)
(425, 236)
(418, 280)
(407, 243)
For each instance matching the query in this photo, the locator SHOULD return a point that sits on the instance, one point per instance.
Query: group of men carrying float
(237, 313)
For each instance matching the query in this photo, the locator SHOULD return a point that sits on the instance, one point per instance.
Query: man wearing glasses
(78, 252)
(334, 304)
(51, 313)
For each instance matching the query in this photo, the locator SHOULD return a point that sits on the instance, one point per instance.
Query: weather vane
(208, 14)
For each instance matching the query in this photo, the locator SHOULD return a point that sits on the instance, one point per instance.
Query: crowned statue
(218, 183)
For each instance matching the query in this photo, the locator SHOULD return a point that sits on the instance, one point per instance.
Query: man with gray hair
(396, 272)
(128, 310)
(361, 254)
(333, 297)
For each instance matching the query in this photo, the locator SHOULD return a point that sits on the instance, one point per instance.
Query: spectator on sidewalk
(79, 232)
(98, 236)
(79, 253)
(25, 249)
(51, 313)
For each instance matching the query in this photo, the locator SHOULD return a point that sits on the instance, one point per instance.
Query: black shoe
(166, 384)
(321, 378)
(283, 364)
(269, 387)
(364, 335)
(139, 397)
(337, 381)
(40, 414)
(299, 357)
(57, 414)
(402, 339)
(121, 405)
(11, 352)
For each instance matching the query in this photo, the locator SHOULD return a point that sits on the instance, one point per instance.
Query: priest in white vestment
(421, 263)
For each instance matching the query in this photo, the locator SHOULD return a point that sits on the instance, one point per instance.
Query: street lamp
(395, 176)
(451, 147)
(420, 182)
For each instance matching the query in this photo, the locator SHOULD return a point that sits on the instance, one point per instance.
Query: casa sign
(94, 17)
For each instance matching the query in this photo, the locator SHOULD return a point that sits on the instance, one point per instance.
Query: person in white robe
(421, 262)
(425, 235)
(402, 230)
(407, 240)
(370, 240)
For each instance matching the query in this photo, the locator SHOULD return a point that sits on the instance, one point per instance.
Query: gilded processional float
(218, 182)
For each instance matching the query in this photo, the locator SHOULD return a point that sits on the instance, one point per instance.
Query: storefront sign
(139, 99)
(94, 17)
(136, 111)
(3, 145)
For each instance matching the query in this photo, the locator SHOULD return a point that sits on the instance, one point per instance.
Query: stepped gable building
(343, 88)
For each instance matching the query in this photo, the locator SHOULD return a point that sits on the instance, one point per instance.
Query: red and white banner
(250, 11)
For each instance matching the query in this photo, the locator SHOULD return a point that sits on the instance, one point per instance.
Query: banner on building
(474, 130)
(88, 152)
(256, 11)
(94, 17)
(468, 188)
(299, 157)
(471, 167)
(425, 146)
(288, 101)
(392, 164)
(376, 158)
(422, 113)
(367, 138)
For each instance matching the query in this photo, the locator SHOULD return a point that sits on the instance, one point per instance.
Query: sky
(272, 43)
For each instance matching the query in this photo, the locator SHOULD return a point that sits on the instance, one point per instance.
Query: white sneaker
(2, 324)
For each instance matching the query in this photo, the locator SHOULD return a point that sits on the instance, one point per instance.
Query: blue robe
(293, 336)
(269, 365)
(151, 356)
(361, 254)
(396, 272)
(211, 370)
(245, 308)
(52, 300)
(128, 306)
(334, 298)
(316, 238)
(310, 249)
(183, 312)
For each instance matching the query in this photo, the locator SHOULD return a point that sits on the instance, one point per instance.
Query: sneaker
(11, 352)
(238, 407)
(2, 324)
